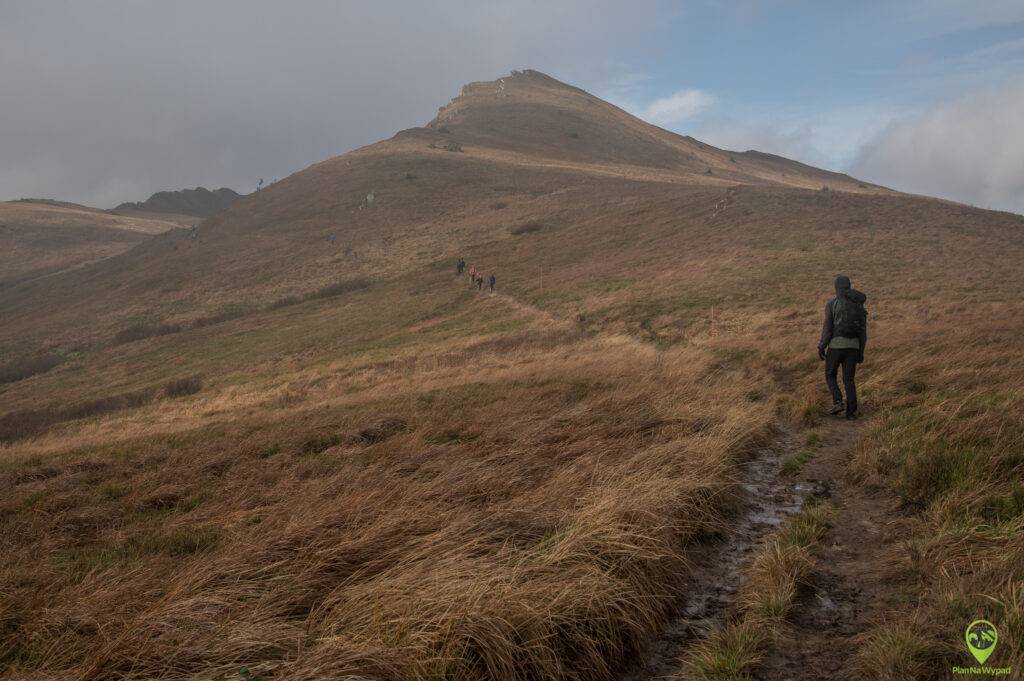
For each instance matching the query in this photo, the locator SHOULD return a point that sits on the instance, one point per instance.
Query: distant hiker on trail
(472, 274)
(490, 281)
(460, 267)
(844, 335)
(479, 280)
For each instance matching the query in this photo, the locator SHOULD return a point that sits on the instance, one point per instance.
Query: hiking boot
(835, 409)
(850, 416)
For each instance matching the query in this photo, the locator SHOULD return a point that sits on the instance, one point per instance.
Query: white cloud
(109, 101)
(970, 149)
(678, 107)
(789, 141)
(827, 138)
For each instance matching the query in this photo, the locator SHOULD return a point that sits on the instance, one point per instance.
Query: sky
(109, 101)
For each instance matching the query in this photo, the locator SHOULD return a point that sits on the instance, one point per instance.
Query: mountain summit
(520, 142)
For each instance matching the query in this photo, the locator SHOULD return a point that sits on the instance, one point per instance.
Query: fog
(105, 102)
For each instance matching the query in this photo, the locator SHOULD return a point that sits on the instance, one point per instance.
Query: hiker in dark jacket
(491, 281)
(480, 282)
(844, 335)
(460, 267)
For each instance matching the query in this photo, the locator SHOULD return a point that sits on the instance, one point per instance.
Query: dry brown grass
(38, 239)
(414, 480)
(950, 441)
(540, 542)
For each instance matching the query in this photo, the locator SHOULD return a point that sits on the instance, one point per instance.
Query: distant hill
(39, 237)
(200, 202)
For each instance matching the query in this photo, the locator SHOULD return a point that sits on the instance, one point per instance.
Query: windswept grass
(519, 510)
(953, 450)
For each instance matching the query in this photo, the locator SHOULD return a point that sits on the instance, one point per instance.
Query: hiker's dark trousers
(846, 358)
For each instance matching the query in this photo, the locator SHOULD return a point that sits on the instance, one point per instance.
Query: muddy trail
(850, 586)
(767, 499)
(845, 590)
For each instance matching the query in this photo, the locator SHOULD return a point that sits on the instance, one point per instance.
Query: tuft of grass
(321, 443)
(526, 228)
(114, 491)
(792, 464)
(729, 654)
(138, 332)
(268, 451)
(898, 649)
(181, 387)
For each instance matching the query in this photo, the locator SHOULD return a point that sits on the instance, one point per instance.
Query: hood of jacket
(844, 289)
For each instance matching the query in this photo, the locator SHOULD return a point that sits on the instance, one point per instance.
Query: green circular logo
(981, 637)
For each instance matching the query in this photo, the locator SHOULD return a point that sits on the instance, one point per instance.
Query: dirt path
(718, 564)
(847, 586)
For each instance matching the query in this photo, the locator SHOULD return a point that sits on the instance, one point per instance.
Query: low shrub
(339, 288)
(138, 332)
(23, 423)
(23, 368)
(220, 317)
(453, 146)
(329, 291)
(180, 387)
(527, 228)
(284, 302)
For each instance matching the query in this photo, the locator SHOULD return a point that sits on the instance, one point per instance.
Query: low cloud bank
(969, 149)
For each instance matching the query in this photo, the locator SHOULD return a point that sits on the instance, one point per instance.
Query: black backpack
(849, 315)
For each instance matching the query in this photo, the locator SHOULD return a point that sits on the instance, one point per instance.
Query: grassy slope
(37, 239)
(415, 480)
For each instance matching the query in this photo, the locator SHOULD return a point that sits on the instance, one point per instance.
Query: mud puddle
(766, 500)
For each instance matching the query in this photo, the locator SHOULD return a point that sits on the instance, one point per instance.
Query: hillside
(516, 143)
(299, 444)
(40, 237)
(198, 202)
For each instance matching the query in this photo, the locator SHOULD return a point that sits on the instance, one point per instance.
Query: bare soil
(847, 586)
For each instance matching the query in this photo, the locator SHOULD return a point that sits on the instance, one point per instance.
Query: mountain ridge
(198, 202)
